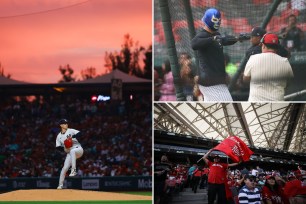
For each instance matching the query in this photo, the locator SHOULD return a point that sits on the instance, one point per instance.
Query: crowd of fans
(273, 186)
(116, 137)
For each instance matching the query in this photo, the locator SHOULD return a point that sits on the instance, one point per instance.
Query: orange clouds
(34, 46)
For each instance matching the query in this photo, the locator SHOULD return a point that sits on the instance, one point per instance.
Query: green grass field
(144, 193)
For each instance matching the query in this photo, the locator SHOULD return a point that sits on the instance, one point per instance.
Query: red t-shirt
(293, 188)
(274, 196)
(231, 182)
(198, 173)
(206, 171)
(228, 191)
(217, 172)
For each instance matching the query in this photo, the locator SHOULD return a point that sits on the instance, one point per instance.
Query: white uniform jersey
(269, 74)
(62, 137)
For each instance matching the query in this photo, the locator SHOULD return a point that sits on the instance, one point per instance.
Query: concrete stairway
(188, 196)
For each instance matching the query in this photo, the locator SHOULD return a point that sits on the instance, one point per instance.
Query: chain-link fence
(238, 16)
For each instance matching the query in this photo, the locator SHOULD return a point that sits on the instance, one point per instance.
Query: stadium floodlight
(94, 98)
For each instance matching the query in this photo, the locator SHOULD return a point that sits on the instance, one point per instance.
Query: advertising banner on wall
(120, 183)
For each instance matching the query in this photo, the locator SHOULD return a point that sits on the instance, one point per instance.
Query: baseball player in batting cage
(209, 45)
(67, 139)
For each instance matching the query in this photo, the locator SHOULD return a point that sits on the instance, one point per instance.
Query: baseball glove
(68, 142)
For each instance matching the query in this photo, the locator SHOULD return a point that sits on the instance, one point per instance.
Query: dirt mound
(66, 195)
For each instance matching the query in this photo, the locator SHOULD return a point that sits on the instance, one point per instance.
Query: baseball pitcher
(67, 138)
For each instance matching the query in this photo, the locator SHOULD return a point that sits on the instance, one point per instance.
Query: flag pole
(199, 160)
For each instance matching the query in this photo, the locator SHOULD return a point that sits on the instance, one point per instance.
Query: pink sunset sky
(60, 32)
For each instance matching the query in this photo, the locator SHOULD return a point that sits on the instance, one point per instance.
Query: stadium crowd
(272, 186)
(116, 137)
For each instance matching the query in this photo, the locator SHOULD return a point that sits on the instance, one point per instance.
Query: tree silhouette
(147, 70)
(121, 60)
(88, 73)
(110, 62)
(2, 72)
(128, 59)
(67, 73)
(125, 61)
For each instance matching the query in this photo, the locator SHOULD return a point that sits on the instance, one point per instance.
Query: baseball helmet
(212, 19)
(63, 121)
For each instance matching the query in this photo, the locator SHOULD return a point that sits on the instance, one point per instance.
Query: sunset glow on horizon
(38, 36)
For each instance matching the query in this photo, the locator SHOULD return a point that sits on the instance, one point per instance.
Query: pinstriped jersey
(269, 74)
(61, 137)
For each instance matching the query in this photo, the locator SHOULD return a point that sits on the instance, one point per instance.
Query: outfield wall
(119, 183)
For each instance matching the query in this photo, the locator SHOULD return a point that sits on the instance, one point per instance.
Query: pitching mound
(66, 195)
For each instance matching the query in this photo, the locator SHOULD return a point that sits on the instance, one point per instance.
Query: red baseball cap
(270, 38)
(270, 176)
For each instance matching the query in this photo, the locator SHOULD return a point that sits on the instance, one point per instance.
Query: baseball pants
(217, 93)
(70, 160)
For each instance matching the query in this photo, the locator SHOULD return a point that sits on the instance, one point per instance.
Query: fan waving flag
(235, 148)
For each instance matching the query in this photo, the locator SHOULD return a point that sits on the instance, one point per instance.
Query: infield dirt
(67, 195)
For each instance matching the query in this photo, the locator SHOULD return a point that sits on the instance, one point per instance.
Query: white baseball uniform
(217, 93)
(269, 74)
(73, 153)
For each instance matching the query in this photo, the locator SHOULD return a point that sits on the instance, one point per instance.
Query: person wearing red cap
(256, 34)
(295, 190)
(216, 178)
(267, 72)
(272, 192)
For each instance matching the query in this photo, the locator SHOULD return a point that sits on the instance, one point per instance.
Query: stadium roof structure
(8, 81)
(273, 126)
(100, 84)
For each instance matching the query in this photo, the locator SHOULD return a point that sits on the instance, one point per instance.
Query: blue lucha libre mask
(212, 19)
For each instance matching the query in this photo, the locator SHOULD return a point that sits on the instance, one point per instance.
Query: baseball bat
(241, 37)
(246, 36)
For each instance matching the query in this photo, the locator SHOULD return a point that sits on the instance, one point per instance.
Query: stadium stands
(116, 136)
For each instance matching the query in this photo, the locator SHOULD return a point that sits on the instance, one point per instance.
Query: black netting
(238, 16)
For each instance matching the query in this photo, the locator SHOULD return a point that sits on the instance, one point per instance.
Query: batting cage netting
(177, 21)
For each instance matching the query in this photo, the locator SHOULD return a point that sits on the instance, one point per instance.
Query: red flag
(235, 148)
